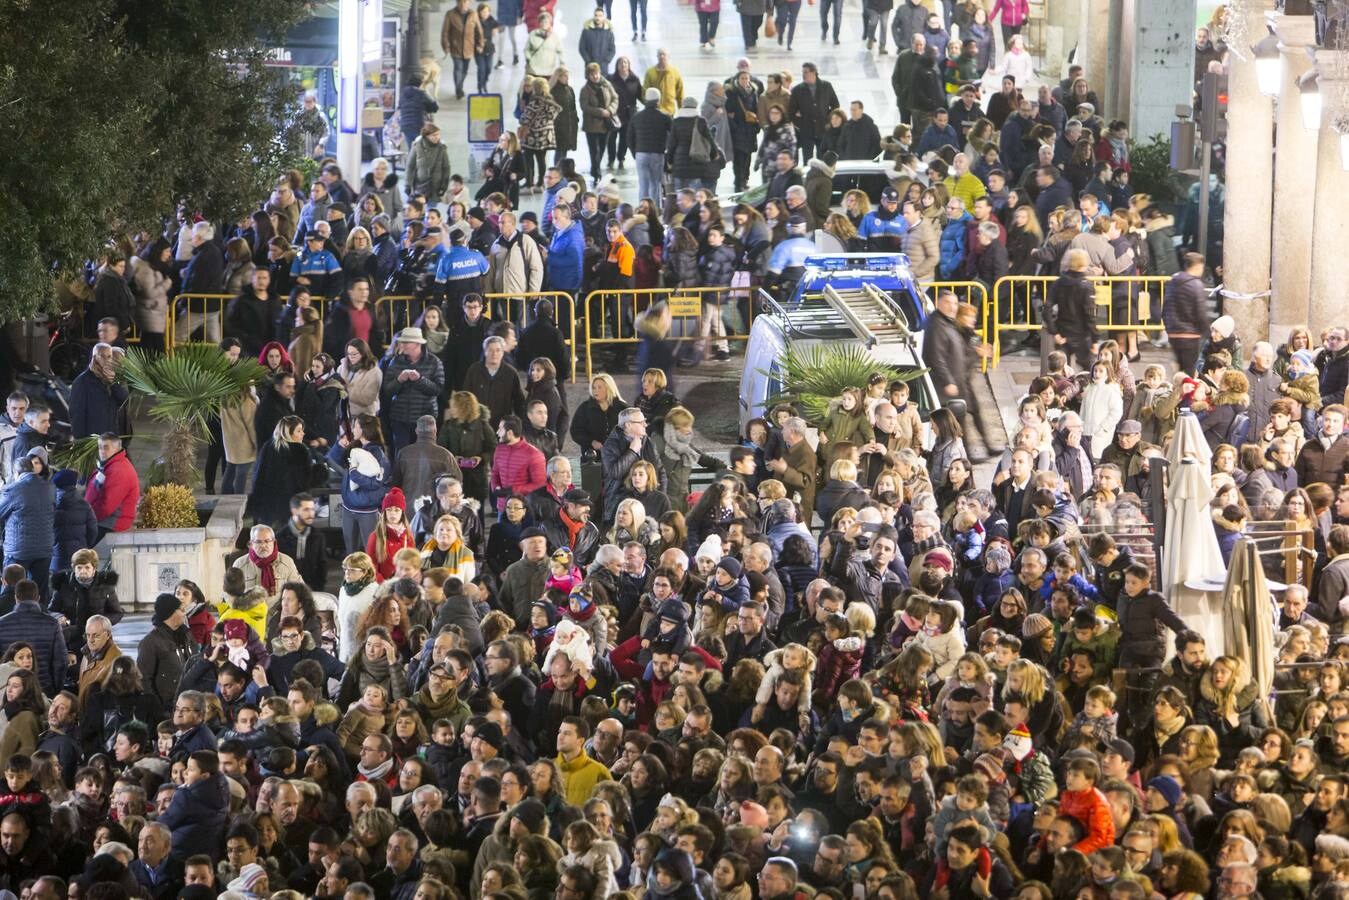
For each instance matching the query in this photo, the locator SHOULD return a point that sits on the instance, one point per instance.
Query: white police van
(867, 299)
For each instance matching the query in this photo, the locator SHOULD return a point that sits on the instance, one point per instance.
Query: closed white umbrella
(1188, 440)
(1193, 574)
(1248, 620)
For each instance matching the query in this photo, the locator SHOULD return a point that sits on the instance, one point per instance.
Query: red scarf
(265, 572)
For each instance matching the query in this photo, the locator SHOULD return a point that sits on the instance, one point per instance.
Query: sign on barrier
(685, 306)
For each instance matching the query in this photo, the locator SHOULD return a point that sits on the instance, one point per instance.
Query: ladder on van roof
(865, 312)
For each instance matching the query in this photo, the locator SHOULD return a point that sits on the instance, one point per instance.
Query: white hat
(410, 335)
(710, 549)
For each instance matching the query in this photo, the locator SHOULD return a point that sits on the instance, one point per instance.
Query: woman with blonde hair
(445, 548)
(1042, 701)
(597, 416)
(631, 523)
(469, 435)
(1199, 756)
(856, 204)
(285, 468)
(1229, 704)
(839, 235)
(354, 597)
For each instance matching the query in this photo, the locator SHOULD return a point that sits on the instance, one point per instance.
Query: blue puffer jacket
(196, 816)
(566, 258)
(953, 245)
(361, 493)
(28, 516)
(74, 527)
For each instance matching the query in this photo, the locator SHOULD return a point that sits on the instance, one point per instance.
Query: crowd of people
(535, 662)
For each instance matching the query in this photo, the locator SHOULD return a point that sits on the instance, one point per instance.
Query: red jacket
(384, 565)
(1091, 809)
(118, 496)
(519, 467)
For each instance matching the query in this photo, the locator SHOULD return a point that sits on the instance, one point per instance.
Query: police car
(865, 299)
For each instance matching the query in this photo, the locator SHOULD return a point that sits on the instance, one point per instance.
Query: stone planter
(151, 561)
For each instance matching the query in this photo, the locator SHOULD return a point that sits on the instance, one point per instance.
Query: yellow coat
(255, 616)
(670, 84)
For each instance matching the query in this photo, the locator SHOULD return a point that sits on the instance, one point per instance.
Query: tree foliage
(116, 110)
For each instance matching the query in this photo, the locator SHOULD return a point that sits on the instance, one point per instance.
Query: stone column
(1094, 49)
(1295, 175)
(1326, 306)
(1250, 151)
(1063, 32)
(1162, 64)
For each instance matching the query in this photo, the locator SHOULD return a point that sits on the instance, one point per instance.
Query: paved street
(855, 73)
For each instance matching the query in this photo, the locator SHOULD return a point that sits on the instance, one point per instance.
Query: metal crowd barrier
(615, 311)
(1010, 305)
(204, 311)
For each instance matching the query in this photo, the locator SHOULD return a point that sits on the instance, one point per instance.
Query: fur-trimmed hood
(1159, 223)
(820, 165)
(326, 713)
(1223, 525)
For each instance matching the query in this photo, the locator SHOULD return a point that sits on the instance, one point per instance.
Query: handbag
(770, 28)
(701, 149)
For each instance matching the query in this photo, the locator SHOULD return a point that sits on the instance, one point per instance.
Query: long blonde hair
(608, 381)
(285, 427)
(1033, 686)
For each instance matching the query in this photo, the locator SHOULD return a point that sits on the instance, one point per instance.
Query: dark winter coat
(162, 655)
(337, 331)
(74, 527)
(678, 147)
(281, 474)
(618, 459)
(469, 439)
(29, 623)
(28, 517)
(650, 129)
(1185, 312)
(78, 603)
(567, 124)
(95, 405)
(591, 424)
(1072, 308)
(809, 109)
(501, 393)
(196, 816)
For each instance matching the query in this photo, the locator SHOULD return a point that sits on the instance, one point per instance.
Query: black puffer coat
(77, 602)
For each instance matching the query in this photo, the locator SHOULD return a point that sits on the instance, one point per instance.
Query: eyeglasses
(292, 636)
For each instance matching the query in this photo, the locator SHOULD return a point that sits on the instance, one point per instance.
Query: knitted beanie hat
(1035, 625)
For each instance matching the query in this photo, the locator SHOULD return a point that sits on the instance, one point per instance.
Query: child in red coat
(1081, 800)
(840, 657)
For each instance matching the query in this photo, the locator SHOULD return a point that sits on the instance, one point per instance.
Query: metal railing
(611, 315)
(188, 312)
(1010, 305)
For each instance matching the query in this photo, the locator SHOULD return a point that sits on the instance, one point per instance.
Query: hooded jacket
(28, 518)
(597, 44)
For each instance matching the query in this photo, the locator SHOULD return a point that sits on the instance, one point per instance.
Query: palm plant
(812, 376)
(185, 390)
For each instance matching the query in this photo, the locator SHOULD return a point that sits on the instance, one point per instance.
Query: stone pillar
(1326, 306)
(1295, 175)
(1250, 151)
(1162, 63)
(1063, 33)
(1094, 49)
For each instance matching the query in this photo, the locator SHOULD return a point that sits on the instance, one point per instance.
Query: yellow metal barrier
(133, 335)
(564, 310)
(971, 292)
(686, 312)
(204, 311)
(1009, 306)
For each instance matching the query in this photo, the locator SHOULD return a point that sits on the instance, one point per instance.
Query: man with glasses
(576, 883)
(515, 691)
(1140, 852)
(606, 744)
(777, 879)
(191, 734)
(298, 645)
(97, 655)
(439, 697)
(264, 565)
(626, 446)
(831, 857)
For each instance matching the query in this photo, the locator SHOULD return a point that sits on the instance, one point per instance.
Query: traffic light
(1213, 107)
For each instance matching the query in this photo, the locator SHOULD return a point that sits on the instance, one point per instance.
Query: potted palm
(175, 537)
(814, 375)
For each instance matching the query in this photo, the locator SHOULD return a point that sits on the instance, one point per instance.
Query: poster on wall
(486, 122)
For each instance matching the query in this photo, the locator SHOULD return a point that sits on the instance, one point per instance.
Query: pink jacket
(519, 467)
(1014, 12)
